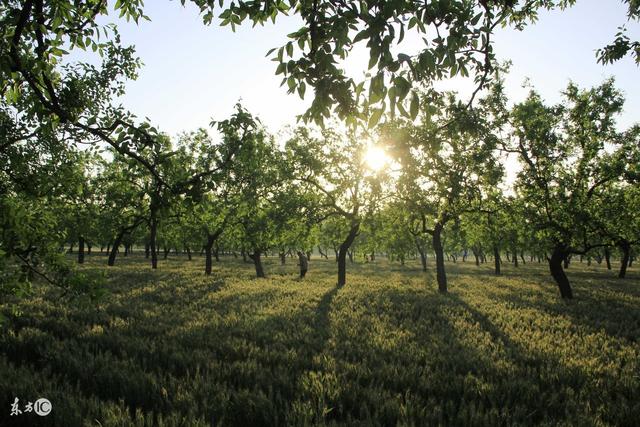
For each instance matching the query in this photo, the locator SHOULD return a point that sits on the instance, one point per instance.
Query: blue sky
(194, 73)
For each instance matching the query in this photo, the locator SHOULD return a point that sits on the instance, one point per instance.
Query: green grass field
(173, 347)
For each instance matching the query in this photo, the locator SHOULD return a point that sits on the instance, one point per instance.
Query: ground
(174, 347)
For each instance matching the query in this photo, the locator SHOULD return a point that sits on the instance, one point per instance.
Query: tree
(447, 163)
(333, 166)
(562, 179)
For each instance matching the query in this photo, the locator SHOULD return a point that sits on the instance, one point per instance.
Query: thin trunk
(114, 249)
(152, 241)
(283, 257)
(257, 262)
(216, 251)
(558, 256)
(207, 250)
(423, 255)
(188, 252)
(80, 250)
(625, 247)
(342, 253)
(437, 247)
(607, 258)
(496, 260)
(515, 258)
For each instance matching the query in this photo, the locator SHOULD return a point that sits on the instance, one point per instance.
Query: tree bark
(438, 249)
(152, 241)
(607, 258)
(625, 247)
(207, 251)
(80, 250)
(423, 255)
(475, 254)
(257, 262)
(283, 257)
(114, 249)
(342, 253)
(558, 256)
(496, 260)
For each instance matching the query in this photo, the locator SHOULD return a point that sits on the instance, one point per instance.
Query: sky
(194, 73)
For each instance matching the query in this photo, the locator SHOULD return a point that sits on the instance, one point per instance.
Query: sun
(375, 158)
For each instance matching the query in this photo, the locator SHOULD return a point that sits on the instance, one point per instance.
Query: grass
(173, 347)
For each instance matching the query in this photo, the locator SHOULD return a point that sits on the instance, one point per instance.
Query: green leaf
(375, 117)
(414, 106)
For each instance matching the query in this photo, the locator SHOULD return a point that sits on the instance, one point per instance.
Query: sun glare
(376, 158)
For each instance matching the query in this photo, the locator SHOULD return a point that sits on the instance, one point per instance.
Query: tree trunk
(166, 251)
(496, 260)
(522, 257)
(625, 247)
(607, 258)
(89, 246)
(437, 247)
(515, 258)
(322, 254)
(423, 256)
(558, 256)
(283, 257)
(207, 251)
(188, 249)
(342, 253)
(475, 255)
(147, 250)
(257, 262)
(80, 250)
(152, 241)
(114, 249)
